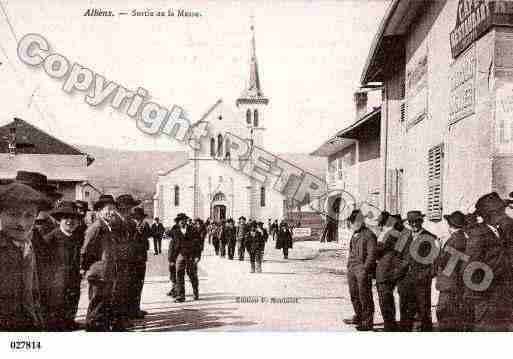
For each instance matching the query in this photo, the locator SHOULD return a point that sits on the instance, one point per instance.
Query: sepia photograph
(298, 171)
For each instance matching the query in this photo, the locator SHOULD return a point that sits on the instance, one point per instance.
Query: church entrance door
(219, 212)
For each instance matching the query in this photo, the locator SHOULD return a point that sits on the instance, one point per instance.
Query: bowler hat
(138, 212)
(127, 201)
(39, 182)
(103, 201)
(17, 193)
(180, 216)
(65, 209)
(490, 202)
(412, 216)
(456, 219)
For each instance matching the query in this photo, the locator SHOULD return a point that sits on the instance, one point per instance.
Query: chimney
(360, 101)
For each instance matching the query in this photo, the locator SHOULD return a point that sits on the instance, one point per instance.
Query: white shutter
(435, 167)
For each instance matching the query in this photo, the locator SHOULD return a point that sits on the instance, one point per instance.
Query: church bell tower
(252, 102)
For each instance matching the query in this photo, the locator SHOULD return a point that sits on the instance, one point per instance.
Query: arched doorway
(219, 207)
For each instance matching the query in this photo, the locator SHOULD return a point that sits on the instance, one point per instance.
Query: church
(206, 185)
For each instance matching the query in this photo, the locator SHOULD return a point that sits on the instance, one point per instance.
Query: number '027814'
(25, 345)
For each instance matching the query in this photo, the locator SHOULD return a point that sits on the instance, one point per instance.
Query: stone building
(447, 72)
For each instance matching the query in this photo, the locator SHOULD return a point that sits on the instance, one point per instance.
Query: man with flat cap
(450, 310)
(490, 242)
(98, 259)
(419, 249)
(360, 264)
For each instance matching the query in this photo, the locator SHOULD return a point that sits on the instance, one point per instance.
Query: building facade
(447, 74)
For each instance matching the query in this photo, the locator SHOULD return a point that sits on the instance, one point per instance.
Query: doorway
(219, 212)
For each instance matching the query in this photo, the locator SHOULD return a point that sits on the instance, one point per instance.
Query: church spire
(253, 92)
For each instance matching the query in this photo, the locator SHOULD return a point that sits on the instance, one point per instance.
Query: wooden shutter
(435, 169)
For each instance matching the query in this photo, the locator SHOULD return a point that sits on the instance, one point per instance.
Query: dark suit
(185, 250)
(255, 245)
(415, 288)
(492, 307)
(157, 232)
(284, 241)
(138, 266)
(231, 240)
(99, 258)
(360, 264)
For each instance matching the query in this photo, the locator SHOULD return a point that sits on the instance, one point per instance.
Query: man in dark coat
(222, 239)
(139, 259)
(450, 310)
(240, 234)
(255, 244)
(19, 289)
(230, 238)
(415, 288)
(63, 271)
(490, 243)
(98, 259)
(388, 270)
(284, 239)
(157, 232)
(172, 255)
(187, 251)
(360, 264)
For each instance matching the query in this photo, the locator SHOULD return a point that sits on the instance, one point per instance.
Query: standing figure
(388, 268)
(275, 228)
(98, 259)
(222, 239)
(19, 299)
(360, 265)
(230, 237)
(157, 232)
(138, 268)
(284, 240)
(265, 235)
(241, 237)
(63, 271)
(254, 244)
(215, 237)
(491, 243)
(187, 251)
(415, 288)
(450, 310)
(171, 257)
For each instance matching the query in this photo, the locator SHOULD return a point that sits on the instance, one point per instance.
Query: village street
(307, 292)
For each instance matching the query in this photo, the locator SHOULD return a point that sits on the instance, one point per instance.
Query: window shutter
(435, 167)
(391, 191)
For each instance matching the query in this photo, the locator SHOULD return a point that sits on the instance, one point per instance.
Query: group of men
(472, 268)
(47, 249)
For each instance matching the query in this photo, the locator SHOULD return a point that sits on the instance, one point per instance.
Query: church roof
(253, 92)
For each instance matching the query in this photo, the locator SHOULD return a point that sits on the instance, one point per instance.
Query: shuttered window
(395, 190)
(177, 196)
(435, 173)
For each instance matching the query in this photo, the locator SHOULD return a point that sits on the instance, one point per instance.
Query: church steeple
(253, 93)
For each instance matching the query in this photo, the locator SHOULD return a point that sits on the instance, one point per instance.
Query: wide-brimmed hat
(39, 182)
(82, 205)
(456, 219)
(65, 209)
(138, 212)
(127, 201)
(242, 218)
(414, 216)
(15, 192)
(103, 201)
(355, 213)
(490, 202)
(181, 216)
(43, 217)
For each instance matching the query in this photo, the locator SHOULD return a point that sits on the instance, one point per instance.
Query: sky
(310, 56)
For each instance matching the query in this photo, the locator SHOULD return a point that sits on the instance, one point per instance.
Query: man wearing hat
(450, 310)
(138, 268)
(415, 288)
(157, 232)
(255, 243)
(230, 237)
(98, 258)
(241, 233)
(490, 243)
(284, 240)
(172, 255)
(63, 272)
(187, 251)
(360, 265)
(19, 301)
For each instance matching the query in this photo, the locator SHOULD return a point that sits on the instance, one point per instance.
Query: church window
(220, 145)
(177, 195)
(212, 147)
(262, 196)
(255, 118)
(248, 116)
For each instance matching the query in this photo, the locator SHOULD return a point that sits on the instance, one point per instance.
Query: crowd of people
(472, 268)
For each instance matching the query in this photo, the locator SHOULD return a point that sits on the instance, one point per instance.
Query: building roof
(350, 134)
(396, 22)
(31, 140)
(253, 92)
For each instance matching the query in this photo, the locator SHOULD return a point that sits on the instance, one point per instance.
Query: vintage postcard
(263, 166)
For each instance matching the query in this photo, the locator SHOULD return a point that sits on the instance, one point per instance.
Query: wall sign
(416, 91)
(475, 18)
(462, 78)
